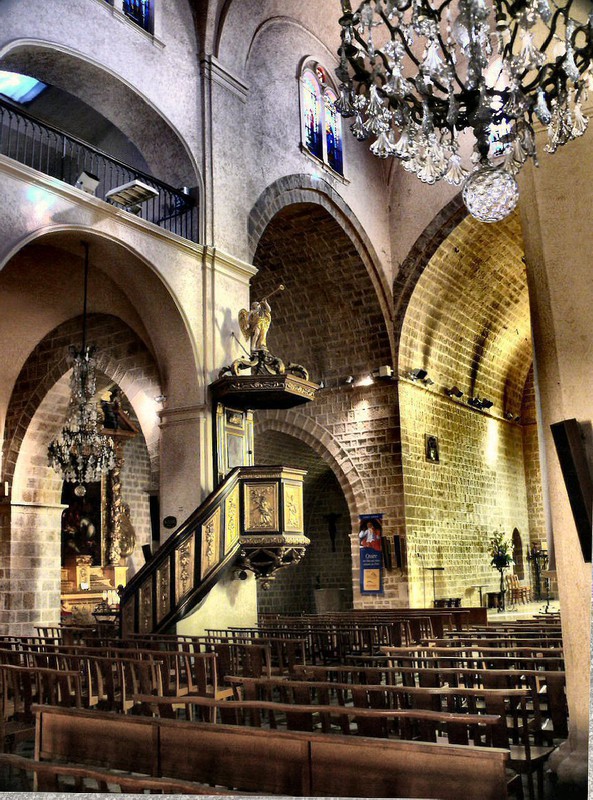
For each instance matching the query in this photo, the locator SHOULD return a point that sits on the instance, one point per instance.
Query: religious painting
(261, 507)
(371, 553)
(431, 445)
(81, 526)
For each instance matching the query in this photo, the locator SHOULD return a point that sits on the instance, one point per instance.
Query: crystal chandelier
(81, 454)
(415, 74)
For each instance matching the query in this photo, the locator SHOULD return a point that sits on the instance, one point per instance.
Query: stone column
(556, 200)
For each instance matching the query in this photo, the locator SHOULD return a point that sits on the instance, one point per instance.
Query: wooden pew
(56, 777)
(276, 762)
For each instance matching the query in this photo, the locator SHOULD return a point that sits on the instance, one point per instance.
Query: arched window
(321, 123)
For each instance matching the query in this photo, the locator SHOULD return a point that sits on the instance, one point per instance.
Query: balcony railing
(62, 156)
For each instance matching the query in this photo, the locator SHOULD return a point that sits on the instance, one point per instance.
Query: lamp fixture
(87, 182)
(417, 374)
(480, 403)
(432, 69)
(349, 380)
(384, 372)
(81, 454)
(131, 195)
(454, 391)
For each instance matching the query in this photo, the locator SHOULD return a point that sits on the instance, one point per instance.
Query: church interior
(297, 431)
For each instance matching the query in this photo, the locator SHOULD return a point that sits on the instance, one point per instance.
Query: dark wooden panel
(245, 759)
(570, 448)
(372, 768)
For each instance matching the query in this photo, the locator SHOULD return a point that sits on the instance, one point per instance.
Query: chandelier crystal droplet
(416, 74)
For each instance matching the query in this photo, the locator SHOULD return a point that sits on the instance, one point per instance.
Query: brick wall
(533, 475)
(329, 319)
(136, 486)
(454, 506)
(293, 590)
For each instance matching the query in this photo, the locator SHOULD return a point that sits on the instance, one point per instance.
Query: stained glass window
(312, 115)
(333, 138)
(322, 133)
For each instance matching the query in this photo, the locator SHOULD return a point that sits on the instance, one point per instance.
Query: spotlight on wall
(131, 195)
(160, 398)
(385, 372)
(349, 380)
(509, 415)
(366, 380)
(87, 182)
(454, 391)
(417, 374)
(480, 403)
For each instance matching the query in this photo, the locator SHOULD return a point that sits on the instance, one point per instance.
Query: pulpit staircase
(253, 518)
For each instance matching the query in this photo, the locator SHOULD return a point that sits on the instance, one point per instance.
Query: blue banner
(371, 556)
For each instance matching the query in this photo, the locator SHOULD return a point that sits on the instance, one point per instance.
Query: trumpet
(280, 288)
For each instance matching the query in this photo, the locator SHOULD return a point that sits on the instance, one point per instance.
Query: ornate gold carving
(145, 608)
(128, 617)
(261, 507)
(231, 519)
(211, 542)
(293, 507)
(163, 590)
(184, 568)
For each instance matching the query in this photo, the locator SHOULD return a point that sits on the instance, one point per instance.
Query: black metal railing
(53, 152)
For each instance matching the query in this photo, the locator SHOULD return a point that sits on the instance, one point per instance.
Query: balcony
(60, 155)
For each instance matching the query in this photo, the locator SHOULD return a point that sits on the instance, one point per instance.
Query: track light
(87, 182)
(385, 372)
(349, 380)
(417, 374)
(480, 403)
(454, 391)
(131, 195)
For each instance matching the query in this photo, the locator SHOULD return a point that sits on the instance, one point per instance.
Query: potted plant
(501, 551)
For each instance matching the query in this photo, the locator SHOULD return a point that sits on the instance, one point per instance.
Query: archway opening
(322, 581)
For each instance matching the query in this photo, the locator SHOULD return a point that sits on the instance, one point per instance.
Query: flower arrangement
(501, 550)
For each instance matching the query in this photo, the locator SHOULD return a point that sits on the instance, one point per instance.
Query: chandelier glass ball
(415, 74)
(490, 194)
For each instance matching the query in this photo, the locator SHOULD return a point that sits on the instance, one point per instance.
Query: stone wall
(533, 473)
(453, 506)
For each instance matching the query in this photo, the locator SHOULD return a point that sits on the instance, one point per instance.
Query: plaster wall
(230, 603)
(149, 64)
(558, 244)
(264, 126)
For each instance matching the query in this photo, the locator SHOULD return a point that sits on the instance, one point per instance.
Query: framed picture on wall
(431, 448)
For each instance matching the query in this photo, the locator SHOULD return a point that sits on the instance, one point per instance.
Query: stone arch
(166, 152)
(319, 439)
(137, 377)
(300, 189)
(418, 258)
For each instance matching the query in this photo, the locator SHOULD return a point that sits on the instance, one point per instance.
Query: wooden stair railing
(252, 503)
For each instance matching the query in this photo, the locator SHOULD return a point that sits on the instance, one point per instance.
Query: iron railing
(53, 152)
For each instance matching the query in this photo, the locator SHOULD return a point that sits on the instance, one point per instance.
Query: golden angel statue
(255, 323)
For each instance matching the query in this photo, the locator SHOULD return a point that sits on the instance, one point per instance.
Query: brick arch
(320, 440)
(302, 189)
(127, 362)
(419, 256)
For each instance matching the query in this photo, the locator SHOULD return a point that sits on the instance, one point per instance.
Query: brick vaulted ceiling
(468, 321)
(329, 318)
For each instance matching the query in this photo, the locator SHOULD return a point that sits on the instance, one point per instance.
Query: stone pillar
(31, 579)
(555, 205)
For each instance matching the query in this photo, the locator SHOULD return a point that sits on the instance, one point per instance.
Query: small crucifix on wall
(431, 448)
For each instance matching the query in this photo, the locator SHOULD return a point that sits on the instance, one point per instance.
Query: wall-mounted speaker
(570, 447)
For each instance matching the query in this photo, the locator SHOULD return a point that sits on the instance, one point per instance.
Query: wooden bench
(56, 777)
(276, 762)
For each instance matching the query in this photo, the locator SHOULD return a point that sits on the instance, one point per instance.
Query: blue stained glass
(312, 115)
(20, 88)
(333, 139)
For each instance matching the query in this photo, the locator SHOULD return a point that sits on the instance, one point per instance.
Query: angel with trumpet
(255, 323)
